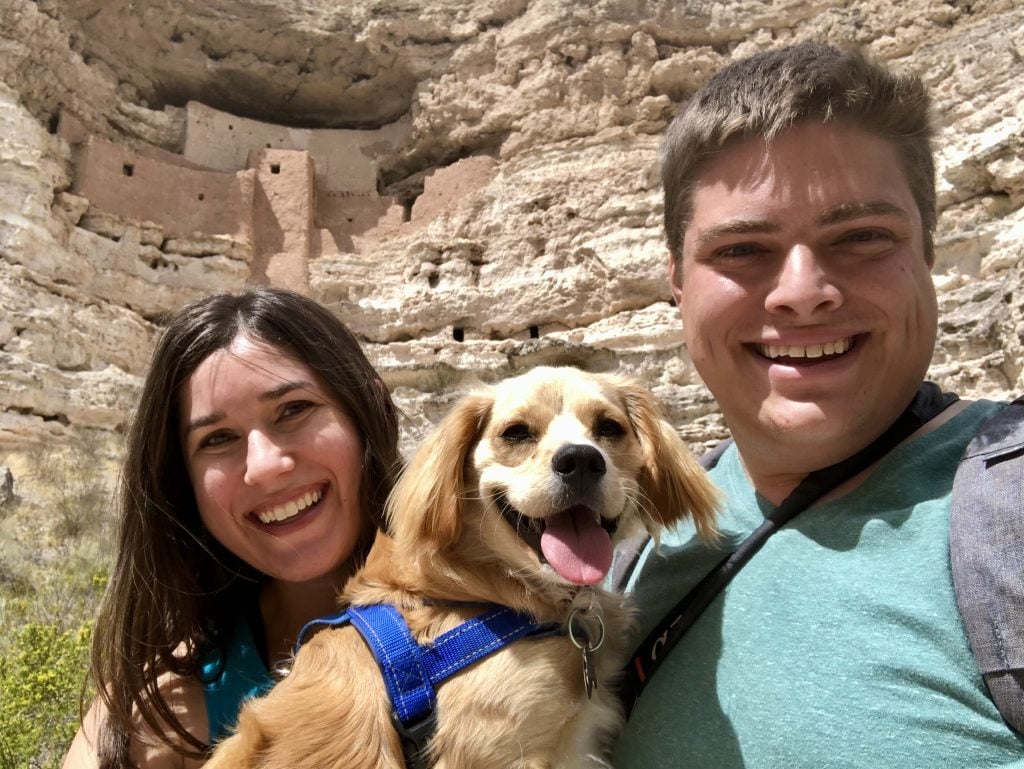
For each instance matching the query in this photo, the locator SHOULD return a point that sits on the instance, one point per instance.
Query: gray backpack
(986, 545)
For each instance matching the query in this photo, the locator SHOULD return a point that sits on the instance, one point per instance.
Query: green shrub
(55, 547)
(40, 686)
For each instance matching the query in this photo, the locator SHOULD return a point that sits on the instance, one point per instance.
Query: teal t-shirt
(838, 645)
(232, 678)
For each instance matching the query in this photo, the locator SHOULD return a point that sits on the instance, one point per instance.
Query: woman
(255, 476)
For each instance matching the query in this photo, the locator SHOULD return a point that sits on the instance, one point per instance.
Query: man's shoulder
(1001, 431)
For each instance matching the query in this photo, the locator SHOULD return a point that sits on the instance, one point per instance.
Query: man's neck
(775, 480)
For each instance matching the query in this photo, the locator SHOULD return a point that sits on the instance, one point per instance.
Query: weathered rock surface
(6, 486)
(473, 187)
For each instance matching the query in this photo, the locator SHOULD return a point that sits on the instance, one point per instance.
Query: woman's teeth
(289, 509)
(837, 347)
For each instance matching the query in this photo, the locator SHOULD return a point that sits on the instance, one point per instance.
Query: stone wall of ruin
(180, 200)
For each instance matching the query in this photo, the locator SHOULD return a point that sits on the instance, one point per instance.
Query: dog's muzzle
(569, 538)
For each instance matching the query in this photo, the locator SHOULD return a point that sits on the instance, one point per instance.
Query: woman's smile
(286, 512)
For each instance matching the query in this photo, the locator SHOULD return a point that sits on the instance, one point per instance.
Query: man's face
(806, 299)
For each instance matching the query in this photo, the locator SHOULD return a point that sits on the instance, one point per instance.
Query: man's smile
(825, 349)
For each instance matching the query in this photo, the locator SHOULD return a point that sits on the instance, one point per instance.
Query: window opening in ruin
(458, 334)
(54, 123)
(202, 196)
(534, 332)
(275, 168)
(128, 169)
(407, 209)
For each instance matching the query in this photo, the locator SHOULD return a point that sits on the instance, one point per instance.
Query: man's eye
(871, 238)
(737, 251)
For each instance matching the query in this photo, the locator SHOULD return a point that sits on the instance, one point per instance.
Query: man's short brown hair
(766, 93)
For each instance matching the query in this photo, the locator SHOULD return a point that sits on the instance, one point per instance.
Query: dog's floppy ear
(425, 504)
(674, 485)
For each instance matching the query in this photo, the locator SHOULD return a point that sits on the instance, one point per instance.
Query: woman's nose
(265, 459)
(803, 285)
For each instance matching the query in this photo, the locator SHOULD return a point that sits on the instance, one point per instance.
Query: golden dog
(515, 499)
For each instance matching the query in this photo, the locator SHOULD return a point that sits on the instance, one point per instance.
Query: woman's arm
(82, 754)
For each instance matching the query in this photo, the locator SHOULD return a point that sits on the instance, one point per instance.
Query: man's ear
(675, 276)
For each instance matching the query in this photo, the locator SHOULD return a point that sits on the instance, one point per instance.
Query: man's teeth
(811, 351)
(289, 509)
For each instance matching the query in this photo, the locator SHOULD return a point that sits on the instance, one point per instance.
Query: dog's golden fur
(449, 544)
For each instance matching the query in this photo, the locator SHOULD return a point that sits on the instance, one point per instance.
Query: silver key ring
(576, 615)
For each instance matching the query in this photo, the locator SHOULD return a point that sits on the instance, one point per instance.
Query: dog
(516, 499)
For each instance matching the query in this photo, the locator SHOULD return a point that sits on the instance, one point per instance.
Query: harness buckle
(414, 737)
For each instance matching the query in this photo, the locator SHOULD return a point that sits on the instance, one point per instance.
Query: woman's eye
(215, 439)
(294, 408)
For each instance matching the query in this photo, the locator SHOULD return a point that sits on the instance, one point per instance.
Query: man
(799, 208)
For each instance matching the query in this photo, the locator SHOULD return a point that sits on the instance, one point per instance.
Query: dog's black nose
(579, 463)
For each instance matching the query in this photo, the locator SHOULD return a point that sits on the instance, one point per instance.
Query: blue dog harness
(412, 671)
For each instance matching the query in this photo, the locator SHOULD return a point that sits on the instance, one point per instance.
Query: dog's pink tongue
(577, 547)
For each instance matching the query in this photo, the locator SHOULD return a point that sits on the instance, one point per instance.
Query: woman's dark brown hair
(171, 579)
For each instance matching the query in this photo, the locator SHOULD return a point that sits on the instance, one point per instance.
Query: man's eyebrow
(281, 390)
(845, 212)
(737, 227)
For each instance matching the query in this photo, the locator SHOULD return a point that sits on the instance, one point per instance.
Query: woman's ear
(673, 483)
(425, 506)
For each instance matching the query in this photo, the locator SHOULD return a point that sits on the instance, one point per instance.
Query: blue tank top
(232, 678)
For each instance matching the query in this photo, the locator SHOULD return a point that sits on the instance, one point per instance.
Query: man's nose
(803, 285)
(266, 458)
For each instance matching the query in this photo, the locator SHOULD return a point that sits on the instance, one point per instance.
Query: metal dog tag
(589, 675)
(584, 640)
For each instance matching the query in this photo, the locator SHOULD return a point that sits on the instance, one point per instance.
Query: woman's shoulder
(184, 697)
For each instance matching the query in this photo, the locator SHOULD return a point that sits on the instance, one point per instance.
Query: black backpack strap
(986, 544)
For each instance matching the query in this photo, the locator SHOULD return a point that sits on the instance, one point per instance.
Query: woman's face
(274, 460)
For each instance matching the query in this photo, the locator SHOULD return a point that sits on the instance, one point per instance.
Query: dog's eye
(609, 428)
(516, 433)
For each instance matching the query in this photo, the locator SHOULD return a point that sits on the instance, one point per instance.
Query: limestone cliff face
(472, 186)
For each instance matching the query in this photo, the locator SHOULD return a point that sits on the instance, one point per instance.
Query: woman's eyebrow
(203, 421)
(284, 388)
